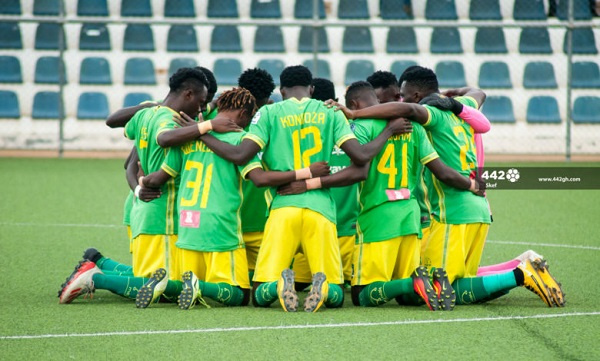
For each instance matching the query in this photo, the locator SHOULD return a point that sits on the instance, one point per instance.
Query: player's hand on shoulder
(400, 126)
(319, 169)
(296, 187)
(333, 104)
(185, 120)
(442, 102)
(224, 125)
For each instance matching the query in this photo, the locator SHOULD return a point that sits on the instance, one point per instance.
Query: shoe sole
(423, 288)
(555, 288)
(67, 293)
(445, 292)
(314, 300)
(187, 298)
(287, 296)
(146, 294)
(538, 287)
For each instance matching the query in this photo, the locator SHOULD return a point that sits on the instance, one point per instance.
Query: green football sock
(378, 293)
(222, 292)
(485, 288)
(108, 264)
(266, 293)
(250, 275)
(335, 296)
(117, 273)
(173, 290)
(411, 299)
(122, 286)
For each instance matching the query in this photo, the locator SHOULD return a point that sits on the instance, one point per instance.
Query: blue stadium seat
(539, 75)
(10, 7)
(181, 63)
(445, 40)
(47, 70)
(10, 105)
(182, 38)
(401, 40)
(225, 38)
(47, 37)
(95, 70)
(11, 35)
(392, 10)
(535, 41)
(358, 70)
(138, 37)
(268, 39)
(323, 69)
(490, 41)
(46, 7)
(585, 75)
(227, 71)
(450, 74)
(132, 99)
(353, 9)
(357, 40)
(273, 67)
(529, 10)
(583, 41)
(94, 37)
(222, 9)
(305, 41)
(543, 109)
(440, 10)
(92, 105)
(304, 9)
(136, 8)
(586, 109)
(265, 9)
(180, 9)
(494, 74)
(10, 70)
(139, 71)
(46, 105)
(399, 66)
(485, 10)
(498, 109)
(581, 10)
(92, 8)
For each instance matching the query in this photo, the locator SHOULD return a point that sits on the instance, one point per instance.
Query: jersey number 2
(302, 160)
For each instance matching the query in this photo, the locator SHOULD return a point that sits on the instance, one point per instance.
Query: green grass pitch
(51, 210)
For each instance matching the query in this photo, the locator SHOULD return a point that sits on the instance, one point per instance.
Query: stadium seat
(94, 37)
(450, 74)
(399, 66)
(92, 8)
(440, 10)
(10, 105)
(539, 75)
(138, 37)
(46, 105)
(357, 40)
(498, 109)
(353, 9)
(95, 70)
(139, 71)
(581, 10)
(358, 70)
(222, 9)
(305, 42)
(273, 67)
(92, 105)
(10, 69)
(304, 9)
(136, 8)
(182, 38)
(490, 41)
(485, 10)
(47, 70)
(181, 63)
(586, 109)
(445, 40)
(529, 10)
(10, 7)
(543, 109)
(11, 35)
(46, 7)
(47, 37)
(583, 41)
(585, 75)
(494, 74)
(401, 40)
(227, 71)
(180, 9)
(535, 41)
(392, 10)
(265, 9)
(323, 69)
(268, 39)
(225, 38)
(132, 99)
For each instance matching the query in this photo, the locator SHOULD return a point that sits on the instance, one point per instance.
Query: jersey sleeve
(424, 146)
(166, 123)
(252, 164)
(433, 116)
(260, 127)
(131, 129)
(362, 131)
(468, 101)
(341, 130)
(173, 162)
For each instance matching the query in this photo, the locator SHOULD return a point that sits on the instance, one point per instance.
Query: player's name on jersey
(295, 120)
(197, 146)
(403, 136)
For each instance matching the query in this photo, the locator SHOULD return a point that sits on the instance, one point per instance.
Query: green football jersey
(421, 194)
(346, 198)
(210, 196)
(209, 113)
(254, 208)
(157, 216)
(453, 139)
(389, 208)
(294, 134)
(127, 208)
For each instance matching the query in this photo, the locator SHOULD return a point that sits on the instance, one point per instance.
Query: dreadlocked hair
(237, 98)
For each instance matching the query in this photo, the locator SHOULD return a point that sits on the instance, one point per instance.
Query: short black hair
(212, 82)
(258, 81)
(423, 78)
(382, 79)
(401, 78)
(355, 89)
(185, 78)
(324, 89)
(237, 98)
(295, 75)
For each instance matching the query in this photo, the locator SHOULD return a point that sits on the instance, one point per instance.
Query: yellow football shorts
(302, 270)
(252, 241)
(153, 251)
(424, 238)
(130, 239)
(229, 267)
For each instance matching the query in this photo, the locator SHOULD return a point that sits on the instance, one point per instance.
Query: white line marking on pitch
(295, 327)
(546, 245)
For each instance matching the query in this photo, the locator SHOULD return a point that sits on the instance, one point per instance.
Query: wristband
(137, 190)
(303, 173)
(204, 127)
(313, 183)
(141, 181)
(474, 186)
